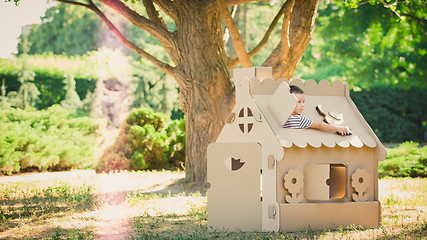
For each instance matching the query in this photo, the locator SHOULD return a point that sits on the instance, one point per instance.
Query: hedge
(407, 160)
(49, 82)
(51, 139)
(396, 115)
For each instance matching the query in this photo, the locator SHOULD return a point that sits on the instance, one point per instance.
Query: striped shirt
(298, 122)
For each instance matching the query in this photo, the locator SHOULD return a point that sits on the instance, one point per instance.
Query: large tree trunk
(206, 109)
(206, 90)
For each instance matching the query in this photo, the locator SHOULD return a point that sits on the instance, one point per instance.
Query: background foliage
(49, 74)
(368, 45)
(57, 33)
(407, 160)
(51, 139)
(147, 140)
(396, 115)
(148, 87)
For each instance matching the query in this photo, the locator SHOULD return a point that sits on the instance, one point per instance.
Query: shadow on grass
(172, 226)
(177, 187)
(60, 233)
(37, 207)
(188, 227)
(411, 232)
(192, 225)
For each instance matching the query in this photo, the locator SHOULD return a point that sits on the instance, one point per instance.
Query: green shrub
(396, 115)
(407, 160)
(51, 139)
(147, 140)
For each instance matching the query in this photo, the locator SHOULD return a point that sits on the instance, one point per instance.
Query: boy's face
(300, 106)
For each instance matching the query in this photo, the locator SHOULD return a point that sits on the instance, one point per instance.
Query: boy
(296, 120)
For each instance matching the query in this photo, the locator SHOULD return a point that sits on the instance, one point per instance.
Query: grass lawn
(155, 205)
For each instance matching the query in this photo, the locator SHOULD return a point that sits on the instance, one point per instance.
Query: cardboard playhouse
(267, 178)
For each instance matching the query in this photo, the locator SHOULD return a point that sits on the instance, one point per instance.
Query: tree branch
(285, 27)
(153, 14)
(211, 4)
(277, 57)
(264, 40)
(159, 64)
(419, 20)
(157, 30)
(231, 3)
(234, 33)
(75, 3)
(362, 3)
(167, 7)
(226, 34)
(296, 34)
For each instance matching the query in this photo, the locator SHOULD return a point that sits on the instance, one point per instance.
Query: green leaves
(396, 115)
(154, 140)
(65, 28)
(48, 139)
(407, 160)
(369, 45)
(147, 140)
(15, 1)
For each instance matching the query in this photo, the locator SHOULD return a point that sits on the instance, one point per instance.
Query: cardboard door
(315, 182)
(234, 197)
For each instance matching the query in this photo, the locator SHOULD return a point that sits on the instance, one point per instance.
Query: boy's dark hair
(295, 89)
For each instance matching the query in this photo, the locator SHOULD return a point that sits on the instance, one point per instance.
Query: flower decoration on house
(294, 183)
(360, 181)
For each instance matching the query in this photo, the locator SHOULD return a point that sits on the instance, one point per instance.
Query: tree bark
(206, 90)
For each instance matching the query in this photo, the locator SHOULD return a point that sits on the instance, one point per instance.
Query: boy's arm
(326, 127)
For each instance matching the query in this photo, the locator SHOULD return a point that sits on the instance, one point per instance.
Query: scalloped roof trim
(324, 87)
(266, 86)
(330, 142)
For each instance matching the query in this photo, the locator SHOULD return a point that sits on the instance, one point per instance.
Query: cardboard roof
(277, 104)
